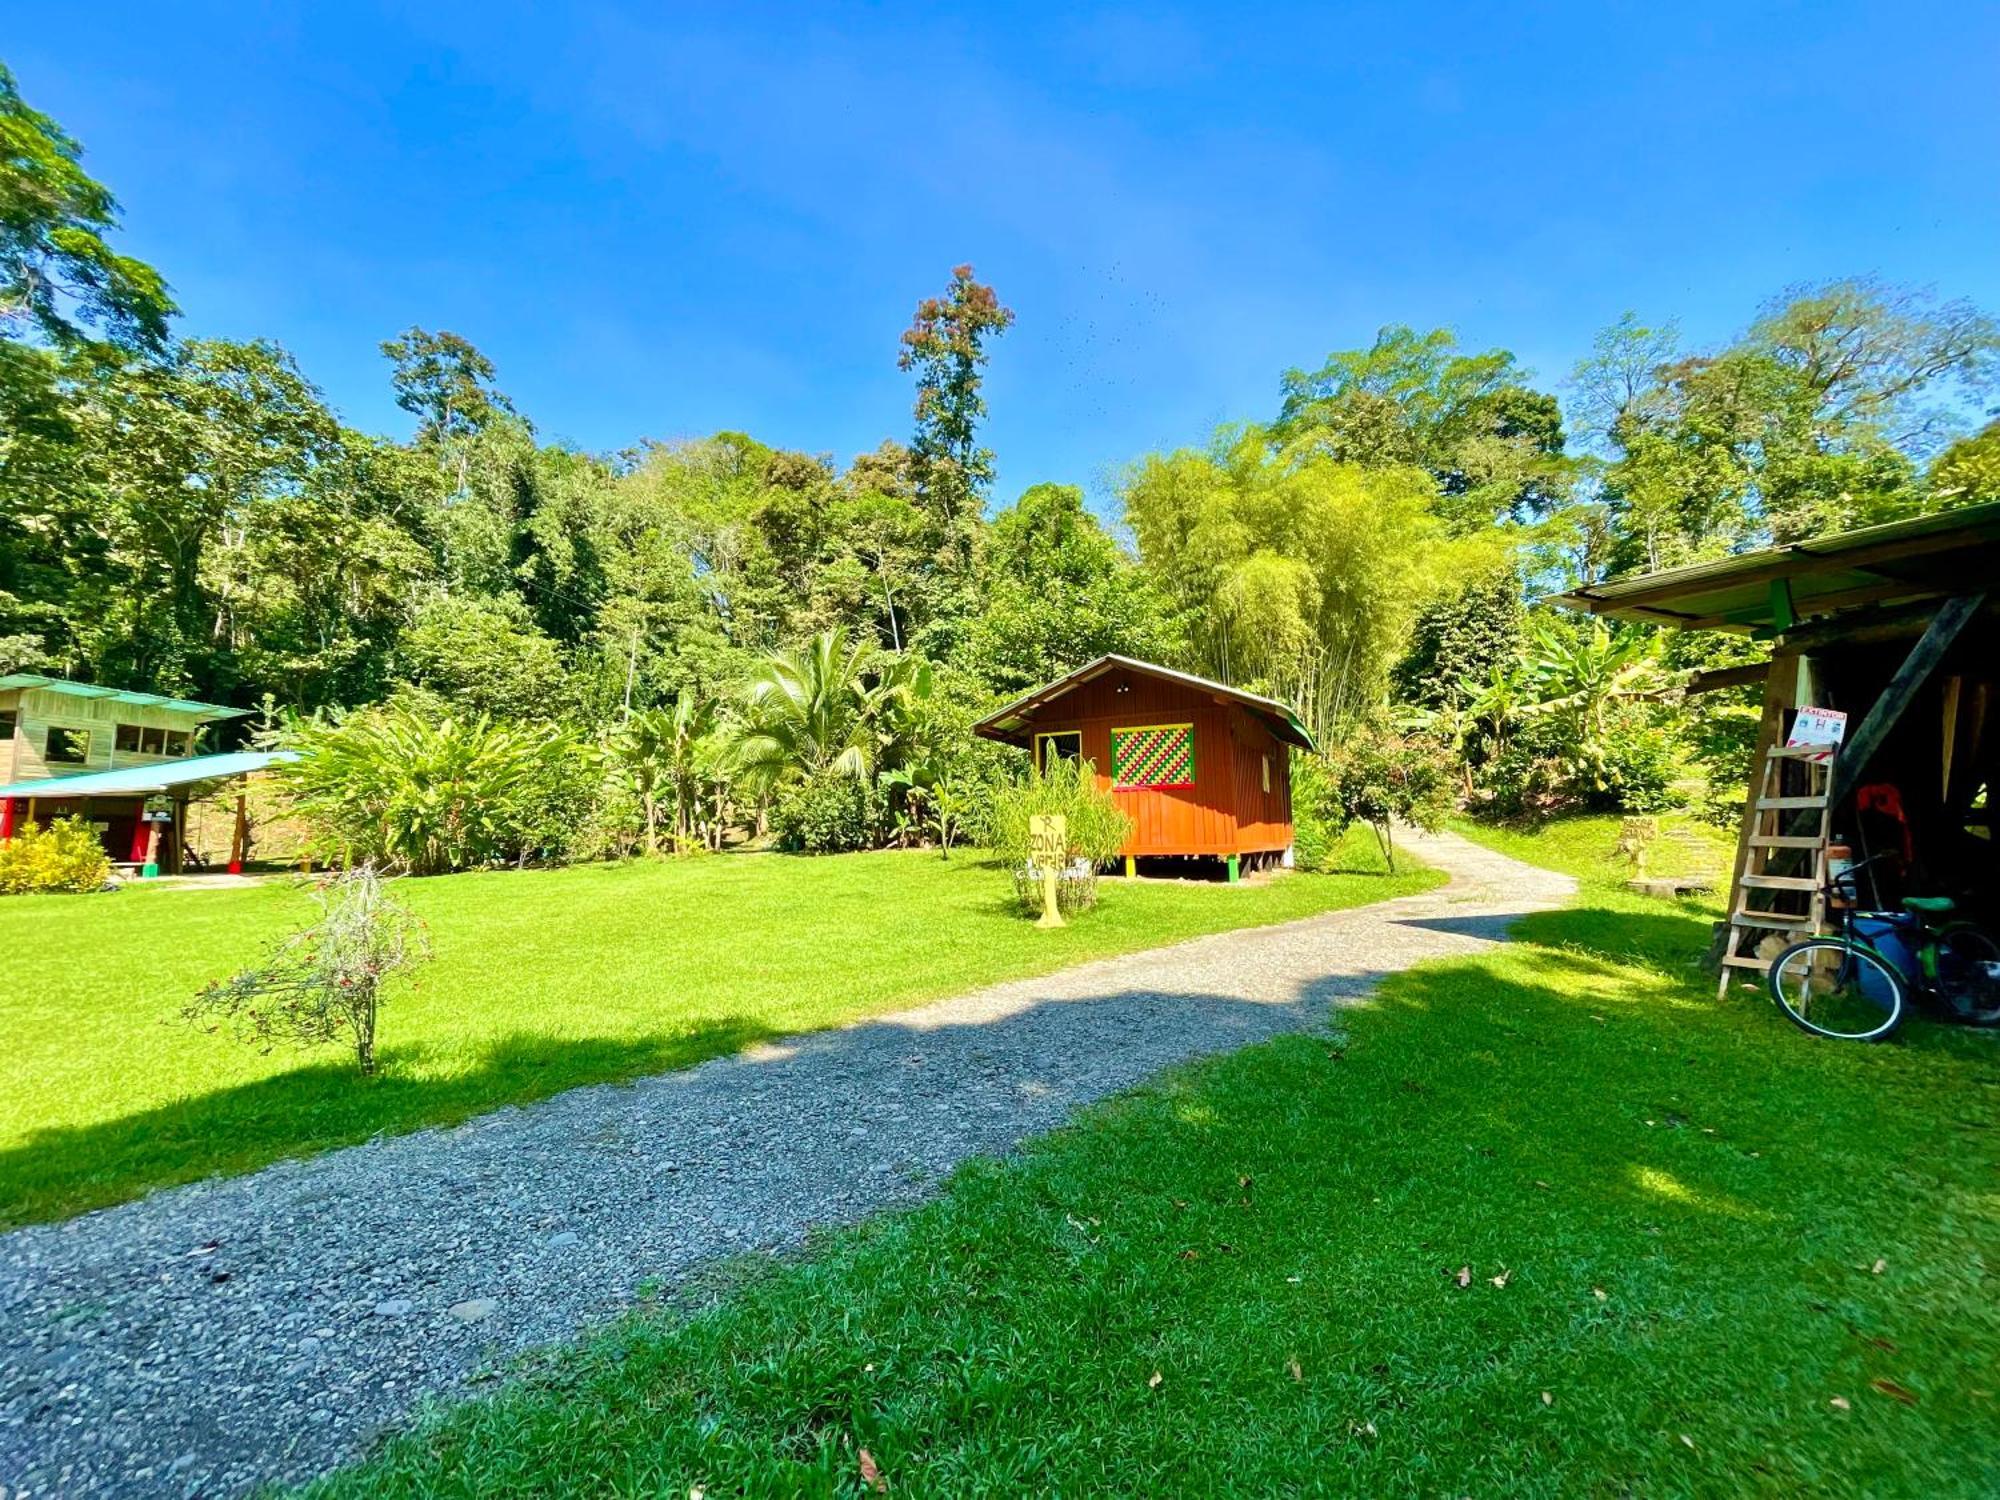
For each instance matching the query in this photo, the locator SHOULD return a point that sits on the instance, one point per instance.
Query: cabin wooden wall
(1263, 818)
(1226, 811)
(37, 709)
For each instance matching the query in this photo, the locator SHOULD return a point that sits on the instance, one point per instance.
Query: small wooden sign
(1048, 848)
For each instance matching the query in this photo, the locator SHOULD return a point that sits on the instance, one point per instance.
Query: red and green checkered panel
(1161, 757)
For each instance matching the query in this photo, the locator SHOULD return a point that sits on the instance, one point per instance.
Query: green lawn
(544, 980)
(1587, 847)
(1704, 1254)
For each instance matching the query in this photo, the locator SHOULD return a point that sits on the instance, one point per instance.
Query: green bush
(829, 812)
(1317, 821)
(65, 856)
(1641, 763)
(1371, 776)
(425, 796)
(1097, 830)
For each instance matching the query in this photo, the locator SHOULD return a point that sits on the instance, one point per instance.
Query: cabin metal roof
(139, 781)
(1012, 725)
(1770, 592)
(195, 707)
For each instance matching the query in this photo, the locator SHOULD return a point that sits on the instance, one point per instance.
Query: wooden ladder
(1770, 844)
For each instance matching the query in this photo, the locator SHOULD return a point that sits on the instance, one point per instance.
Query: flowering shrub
(65, 856)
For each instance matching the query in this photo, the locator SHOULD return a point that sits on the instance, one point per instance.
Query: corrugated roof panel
(138, 781)
(63, 685)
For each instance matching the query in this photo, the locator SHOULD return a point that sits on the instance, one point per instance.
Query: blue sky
(663, 220)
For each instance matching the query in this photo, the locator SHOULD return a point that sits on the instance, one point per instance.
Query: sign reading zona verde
(1153, 755)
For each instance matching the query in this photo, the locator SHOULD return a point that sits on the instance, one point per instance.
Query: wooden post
(6, 818)
(1953, 686)
(239, 839)
(1235, 868)
(1048, 844)
(1131, 868)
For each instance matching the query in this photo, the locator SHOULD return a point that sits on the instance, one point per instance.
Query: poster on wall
(1819, 730)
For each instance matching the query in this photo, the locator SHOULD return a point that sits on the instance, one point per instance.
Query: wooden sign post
(1048, 847)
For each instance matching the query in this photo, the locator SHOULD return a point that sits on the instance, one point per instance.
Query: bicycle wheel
(1835, 988)
(1968, 975)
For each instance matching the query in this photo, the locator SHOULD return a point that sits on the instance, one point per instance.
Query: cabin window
(177, 742)
(66, 747)
(152, 742)
(1050, 748)
(1267, 773)
(1153, 755)
(9, 721)
(126, 741)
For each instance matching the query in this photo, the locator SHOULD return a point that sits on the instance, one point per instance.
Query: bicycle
(1858, 984)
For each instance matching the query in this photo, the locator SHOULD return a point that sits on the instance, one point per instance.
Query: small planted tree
(325, 982)
(1379, 779)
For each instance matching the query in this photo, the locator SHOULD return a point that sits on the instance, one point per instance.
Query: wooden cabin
(124, 761)
(1898, 628)
(1202, 769)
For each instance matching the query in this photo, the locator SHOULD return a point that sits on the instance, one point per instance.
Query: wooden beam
(1714, 679)
(1898, 622)
(1953, 686)
(1887, 711)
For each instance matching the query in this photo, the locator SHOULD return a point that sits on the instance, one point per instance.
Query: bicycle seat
(1928, 903)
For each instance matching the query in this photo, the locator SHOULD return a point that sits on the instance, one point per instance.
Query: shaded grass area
(1705, 1255)
(544, 980)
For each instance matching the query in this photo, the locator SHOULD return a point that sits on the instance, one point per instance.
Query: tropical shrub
(323, 983)
(674, 761)
(65, 856)
(425, 796)
(1376, 777)
(1639, 767)
(1097, 830)
(829, 812)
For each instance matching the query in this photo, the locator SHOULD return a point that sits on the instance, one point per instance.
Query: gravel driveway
(268, 1326)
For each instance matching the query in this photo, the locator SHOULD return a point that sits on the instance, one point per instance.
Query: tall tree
(1816, 420)
(1060, 591)
(60, 280)
(445, 383)
(945, 345)
(1295, 573)
(1492, 442)
(72, 309)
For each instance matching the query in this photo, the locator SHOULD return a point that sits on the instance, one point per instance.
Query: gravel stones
(267, 1327)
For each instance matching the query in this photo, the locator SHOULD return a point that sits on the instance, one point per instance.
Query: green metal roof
(117, 695)
(1770, 592)
(138, 781)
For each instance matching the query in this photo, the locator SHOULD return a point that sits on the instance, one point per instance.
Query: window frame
(73, 736)
(1041, 755)
(179, 751)
(1120, 784)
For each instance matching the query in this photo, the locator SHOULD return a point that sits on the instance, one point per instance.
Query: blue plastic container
(1890, 937)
